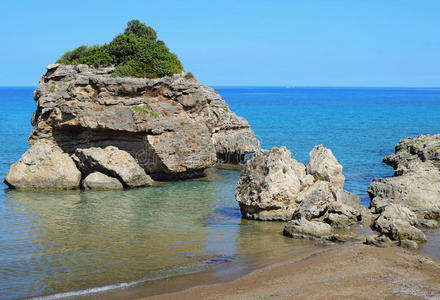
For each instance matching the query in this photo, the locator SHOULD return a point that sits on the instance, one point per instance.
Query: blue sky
(298, 43)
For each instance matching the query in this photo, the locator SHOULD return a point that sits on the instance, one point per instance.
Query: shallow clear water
(58, 242)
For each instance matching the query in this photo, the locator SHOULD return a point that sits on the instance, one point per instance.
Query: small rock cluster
(45, 166)
(274, 186)
(411, 199)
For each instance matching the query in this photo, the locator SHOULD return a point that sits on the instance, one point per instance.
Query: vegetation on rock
(134, 53)
(144, 110)
(189, 75)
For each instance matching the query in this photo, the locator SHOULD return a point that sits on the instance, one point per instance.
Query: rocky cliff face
(173, 127)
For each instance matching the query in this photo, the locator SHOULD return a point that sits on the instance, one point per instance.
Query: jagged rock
(402, 230)
(411, 152)
(342, 215)
(114, 163)
(398, 222)
(416, 190)
(43, 166)
(232, 145)
(416, 181)
(99, 181)
(273, 186)
(353, 201)
(269, 185)
(174, 128)
(411, 198)
(314, 201)
(394, 212)
(323, 165)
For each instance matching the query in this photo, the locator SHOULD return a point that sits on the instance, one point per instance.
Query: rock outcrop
(274, 186)
(411, 198)
(44, 166)
(173, 127)
(323, 165)
(269, 185)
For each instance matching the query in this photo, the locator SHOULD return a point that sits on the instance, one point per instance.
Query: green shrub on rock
(140, 29)
(135, 53)
(189, 75)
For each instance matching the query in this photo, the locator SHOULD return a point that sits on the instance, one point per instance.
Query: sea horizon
(283, 86)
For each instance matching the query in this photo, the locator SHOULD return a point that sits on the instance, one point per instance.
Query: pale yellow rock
(44, 166)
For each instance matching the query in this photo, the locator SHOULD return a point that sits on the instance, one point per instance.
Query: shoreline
(345, 270)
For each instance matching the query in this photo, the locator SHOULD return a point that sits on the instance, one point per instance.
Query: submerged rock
(381, 241)
(316, 230)
(303, 228)
(99, 181)
(44, 166)
(114, 163)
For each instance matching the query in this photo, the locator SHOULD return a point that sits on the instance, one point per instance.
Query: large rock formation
(411, 198)
(173, 127)
(274, 186)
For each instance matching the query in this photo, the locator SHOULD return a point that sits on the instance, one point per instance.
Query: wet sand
(351, 270)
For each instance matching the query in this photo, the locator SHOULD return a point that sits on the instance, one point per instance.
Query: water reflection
(54, 242)
(76, 240)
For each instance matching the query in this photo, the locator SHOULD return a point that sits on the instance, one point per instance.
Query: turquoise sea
(52, 243)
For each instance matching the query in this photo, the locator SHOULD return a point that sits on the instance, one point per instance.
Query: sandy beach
(352, 270)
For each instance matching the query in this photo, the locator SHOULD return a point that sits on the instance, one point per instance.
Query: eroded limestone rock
(411, 198)
(274, 186)
(416, 181)
(314, 201)
(99, 181)
(269, 185)
(173, 127)
(303, 228)
(114, 163)
(44, 166)
(323, 165)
